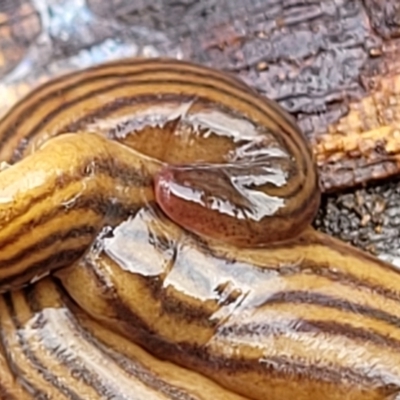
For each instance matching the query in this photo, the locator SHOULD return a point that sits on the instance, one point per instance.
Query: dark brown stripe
(116, 104)
(200, 359)
(302, 297)
(27, 385)
(308, 265)
(122, 174)
(132, 366)
(77, 370)
(130, 67)
(360, 336)
(311, 267)
(57, 260)
(349, 280)
(350, 252)
(112, 212)
(303, 165)
(280, 367)
(31, 357)
(171, 305)
(109, 292)
(10, 131)
(104, 111)
(48, 241)
(98, 205)
(254, 104)
(168, 302)
(111, 70)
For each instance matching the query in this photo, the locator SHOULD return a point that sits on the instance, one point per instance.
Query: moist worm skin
(61, 353)
(313, 318)
(304, 318)
(73, 178)
(93, 183)
(114, 93)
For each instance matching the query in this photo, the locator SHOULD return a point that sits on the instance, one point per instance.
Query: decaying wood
(364, 145)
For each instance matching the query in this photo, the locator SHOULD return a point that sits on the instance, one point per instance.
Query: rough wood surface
(334, 64)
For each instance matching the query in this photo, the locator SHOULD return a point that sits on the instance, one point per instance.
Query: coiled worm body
(173, 204)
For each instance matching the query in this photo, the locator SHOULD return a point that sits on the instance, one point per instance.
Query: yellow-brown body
(300, 316)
